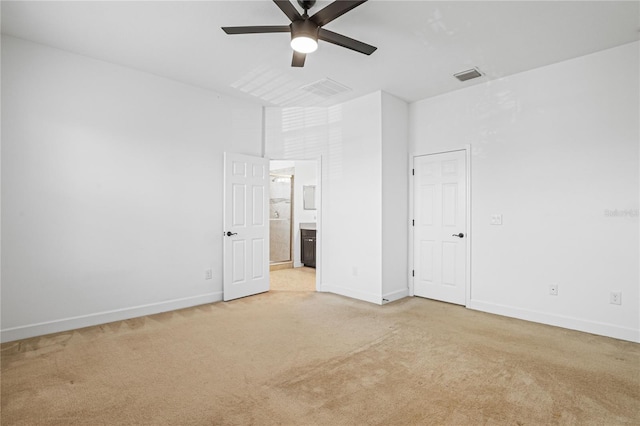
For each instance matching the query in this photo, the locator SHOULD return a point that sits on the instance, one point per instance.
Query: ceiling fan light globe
(304, 44)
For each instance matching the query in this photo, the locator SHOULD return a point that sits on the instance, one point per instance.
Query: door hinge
(413, 222)
(413, 272)
(413, 172)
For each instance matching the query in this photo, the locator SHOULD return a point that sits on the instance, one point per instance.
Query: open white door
(440, 234)
(246, 226)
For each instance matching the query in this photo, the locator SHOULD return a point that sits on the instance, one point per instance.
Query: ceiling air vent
(325, 88)
(468, 74)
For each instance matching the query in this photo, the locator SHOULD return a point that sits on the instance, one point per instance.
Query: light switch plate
(496, 219)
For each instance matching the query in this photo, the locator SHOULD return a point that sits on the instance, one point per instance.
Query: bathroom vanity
(308, 244)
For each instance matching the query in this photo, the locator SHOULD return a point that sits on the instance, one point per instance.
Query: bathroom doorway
(293, 217)
(281, 218)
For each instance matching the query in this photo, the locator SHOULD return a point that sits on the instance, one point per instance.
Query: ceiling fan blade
(298, 59)
(333, 11)
(257, 29)
(345, 41)
(288, 9)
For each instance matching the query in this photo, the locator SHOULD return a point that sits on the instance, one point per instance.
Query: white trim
(410, 277)
(468, 225)
(319, 208)
(263, 138)
(72, 323)
(354, 294)
(593, 327)
(395, 295)
(412, 157)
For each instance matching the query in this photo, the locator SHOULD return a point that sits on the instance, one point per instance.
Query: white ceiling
(421, 44)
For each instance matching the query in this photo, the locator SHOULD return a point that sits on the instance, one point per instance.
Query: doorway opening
(281, 219)
(294, 203)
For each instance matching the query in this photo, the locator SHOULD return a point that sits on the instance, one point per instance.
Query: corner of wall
(395, 196)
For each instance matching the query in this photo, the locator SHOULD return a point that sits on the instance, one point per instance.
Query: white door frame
(318, 161)
(412, 156)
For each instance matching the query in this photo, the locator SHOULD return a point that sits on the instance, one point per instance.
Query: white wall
(352, 195)
(112, 181)
(349, 138)
(553, 149)
(111, 189)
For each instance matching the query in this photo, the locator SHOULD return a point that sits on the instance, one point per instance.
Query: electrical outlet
(208, 274)
(496, 219)
(553, 289)
(615, 298)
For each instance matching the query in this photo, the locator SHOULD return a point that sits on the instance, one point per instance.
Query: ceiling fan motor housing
(306, 4)
(304, 28)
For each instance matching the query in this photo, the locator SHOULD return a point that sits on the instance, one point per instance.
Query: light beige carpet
(306, 358)
(293, 279)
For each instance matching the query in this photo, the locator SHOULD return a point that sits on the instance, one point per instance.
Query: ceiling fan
(307, 30)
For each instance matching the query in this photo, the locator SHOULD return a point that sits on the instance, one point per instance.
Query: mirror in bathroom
(309, 197)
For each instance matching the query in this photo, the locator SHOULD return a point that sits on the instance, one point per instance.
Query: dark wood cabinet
(308, 247)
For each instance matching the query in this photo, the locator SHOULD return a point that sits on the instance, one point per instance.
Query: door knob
(460, 235)
(229, 233)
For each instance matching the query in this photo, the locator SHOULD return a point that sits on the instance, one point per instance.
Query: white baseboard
(395, 295)
(66, 324)
(593, 327)
(354, 294)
